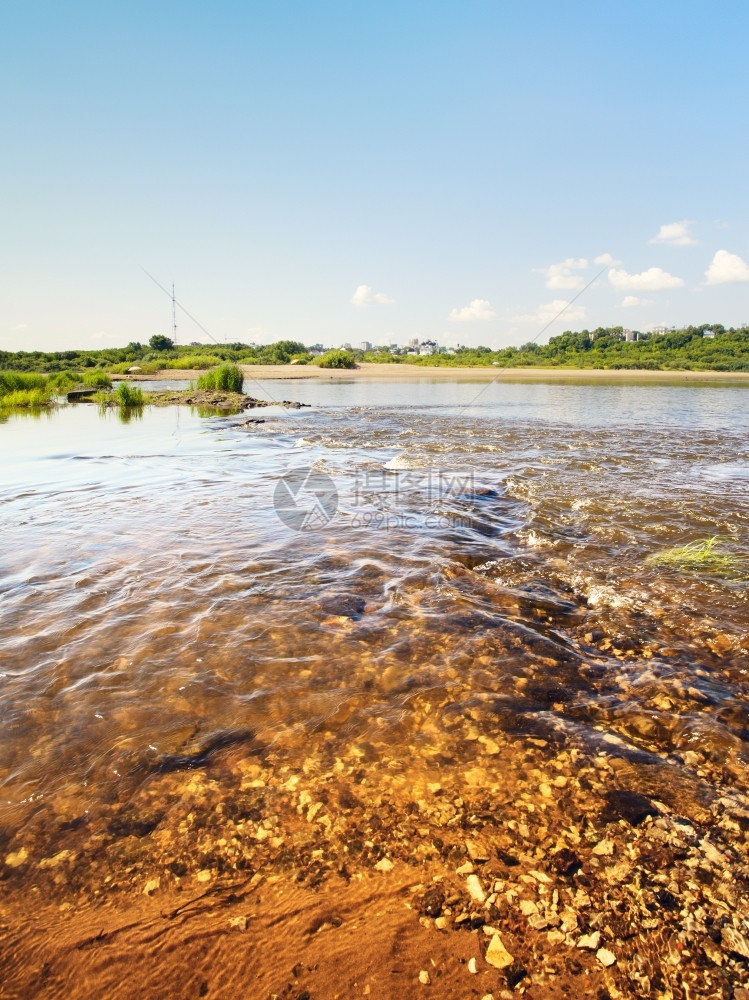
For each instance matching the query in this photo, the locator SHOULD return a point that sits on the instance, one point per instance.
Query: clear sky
(342, 171)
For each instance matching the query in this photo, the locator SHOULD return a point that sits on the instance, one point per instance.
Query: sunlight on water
(477, 590)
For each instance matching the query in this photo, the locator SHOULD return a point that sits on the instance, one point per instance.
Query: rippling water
(483, 581)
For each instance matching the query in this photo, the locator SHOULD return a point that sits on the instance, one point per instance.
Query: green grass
(97, 380)
(63, 381)
(25, 397)
(129, 395)
(701, 555)
(11, 382)
(194, 361)
(225, 378)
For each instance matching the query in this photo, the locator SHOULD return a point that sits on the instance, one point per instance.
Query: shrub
(337, 359)
(227, 378)
(192, 361)
(129, 395)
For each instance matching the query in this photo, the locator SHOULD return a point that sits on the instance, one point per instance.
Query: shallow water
(470, 577)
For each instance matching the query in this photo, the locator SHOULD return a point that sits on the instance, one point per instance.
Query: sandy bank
(410, 373)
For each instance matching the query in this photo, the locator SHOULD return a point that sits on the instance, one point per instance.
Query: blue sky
(345, 172)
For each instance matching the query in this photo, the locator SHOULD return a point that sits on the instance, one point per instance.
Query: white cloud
(550, 310)
(655, 279)
(727, 269)
(20, 326)
(633, 300)
(364, 296)
(675, 234)
(605, 259)
(479, 309)
(559, 276)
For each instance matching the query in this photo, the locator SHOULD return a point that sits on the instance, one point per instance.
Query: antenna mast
(174, 316)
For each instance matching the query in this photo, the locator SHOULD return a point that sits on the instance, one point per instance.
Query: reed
(225, 378)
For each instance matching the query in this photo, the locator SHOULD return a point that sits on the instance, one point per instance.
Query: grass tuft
(130, 395)
(225, 378)
(699, 555)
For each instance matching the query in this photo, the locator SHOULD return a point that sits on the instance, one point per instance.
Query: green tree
(160, 343)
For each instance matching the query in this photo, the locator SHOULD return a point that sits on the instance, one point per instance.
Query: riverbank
(408, 373)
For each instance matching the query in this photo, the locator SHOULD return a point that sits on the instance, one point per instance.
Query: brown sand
(406, 373)
(269, 938)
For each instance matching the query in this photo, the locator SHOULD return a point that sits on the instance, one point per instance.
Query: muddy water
(468, 610)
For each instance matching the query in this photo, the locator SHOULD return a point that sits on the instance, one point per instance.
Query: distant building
(195, 343)
(414, 342)
(710, 334)
(660, 329)
(630, 335)
(365, 345)
(428, 347)
(347, 347)
(393, 347)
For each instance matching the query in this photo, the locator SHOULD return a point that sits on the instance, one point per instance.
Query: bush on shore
(337, 359)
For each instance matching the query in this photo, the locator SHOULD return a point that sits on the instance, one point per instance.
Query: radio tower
(174, 317)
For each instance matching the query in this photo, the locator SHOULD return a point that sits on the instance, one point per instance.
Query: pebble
(204, 875)
(733, 941)
(424, 978)
(384, 865)
(472, 967)
(590, 941)
(464, 869)
(17, 858)
(497, 955)
(238, 923)
(475, 889)
(604, 848)
(151, 886)
(605, 957)
(476, 851)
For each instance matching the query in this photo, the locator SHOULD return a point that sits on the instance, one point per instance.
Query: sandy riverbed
(404, 373)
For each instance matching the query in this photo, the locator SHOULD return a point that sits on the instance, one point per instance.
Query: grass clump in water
(702, 555)
(225, 378)
(130, 395)
(25, 397)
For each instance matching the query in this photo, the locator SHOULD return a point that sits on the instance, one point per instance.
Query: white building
(365, 345)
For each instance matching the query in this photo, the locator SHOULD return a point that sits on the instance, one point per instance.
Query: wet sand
(406, 373)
